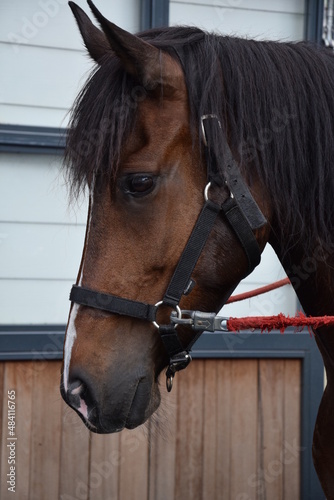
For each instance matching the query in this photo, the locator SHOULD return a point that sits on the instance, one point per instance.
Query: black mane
(275, 102)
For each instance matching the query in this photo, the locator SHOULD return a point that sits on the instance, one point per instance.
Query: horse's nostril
(79, 397)
(76, 387)
(75, 393)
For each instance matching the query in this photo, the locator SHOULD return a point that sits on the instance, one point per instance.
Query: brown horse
(164, 113)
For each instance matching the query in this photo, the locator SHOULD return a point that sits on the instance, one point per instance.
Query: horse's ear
(139, 58)
(95, 41)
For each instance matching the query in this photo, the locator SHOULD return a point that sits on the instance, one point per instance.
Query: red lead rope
(279, 322)
(258, 291)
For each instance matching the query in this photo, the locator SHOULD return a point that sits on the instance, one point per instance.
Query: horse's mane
(275, 102)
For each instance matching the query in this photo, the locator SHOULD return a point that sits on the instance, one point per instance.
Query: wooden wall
(230, 430)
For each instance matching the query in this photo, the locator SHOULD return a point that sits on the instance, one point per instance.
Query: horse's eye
(139, 184)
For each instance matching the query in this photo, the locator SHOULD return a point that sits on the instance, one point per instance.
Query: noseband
(243, 215)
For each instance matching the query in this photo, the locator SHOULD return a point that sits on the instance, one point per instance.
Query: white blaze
(71, 333)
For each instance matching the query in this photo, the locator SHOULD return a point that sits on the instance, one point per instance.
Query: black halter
(243, 215)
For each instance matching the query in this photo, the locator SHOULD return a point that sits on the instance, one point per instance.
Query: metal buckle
(206, 117)
(178, 362)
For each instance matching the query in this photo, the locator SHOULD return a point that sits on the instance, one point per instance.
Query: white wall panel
(50, 23)
(33, 189)
(292, 6)
(281, 300)
(34, 302)
(15, 114)
(41, 240)
(43, 60)
(47, 23)
(252, 23)
(40, 251)
(39, 78)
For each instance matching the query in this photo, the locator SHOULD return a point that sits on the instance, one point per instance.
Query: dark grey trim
(26, 139)
(154, 14)
(314, 11)
(28, 342)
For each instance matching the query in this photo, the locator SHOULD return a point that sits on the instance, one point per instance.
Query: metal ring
(206, 191)
(206, 117)
(177, 309)
(207, 187)
(231, 194)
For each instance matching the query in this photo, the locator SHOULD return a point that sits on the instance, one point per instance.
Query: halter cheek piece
(243, 215)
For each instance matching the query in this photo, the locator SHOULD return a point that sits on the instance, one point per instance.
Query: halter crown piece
(243, 215)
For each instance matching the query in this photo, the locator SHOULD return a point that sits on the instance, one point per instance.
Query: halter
(243, 215)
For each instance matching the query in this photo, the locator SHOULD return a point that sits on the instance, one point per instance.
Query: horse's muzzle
(129, 404)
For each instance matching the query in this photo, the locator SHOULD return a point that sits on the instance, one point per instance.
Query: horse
(196, 150)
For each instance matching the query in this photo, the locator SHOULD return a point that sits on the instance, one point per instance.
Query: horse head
(146, 171)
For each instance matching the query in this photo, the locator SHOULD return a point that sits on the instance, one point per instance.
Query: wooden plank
(16, 378)
(292, 424)
(244, 421)
(271, 397)
(105, 463)
(189, 451)
(21, 372)
(133, 472)
(163, 427)
(2, 416)
(45, 436)
(210, 407)
(203, 443)
(6, 385)
(74, 456)
(223, 431)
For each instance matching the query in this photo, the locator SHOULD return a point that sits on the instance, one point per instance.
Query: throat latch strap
(243, 231)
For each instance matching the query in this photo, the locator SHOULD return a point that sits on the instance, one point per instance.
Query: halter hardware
(207, 117)
(178, 362)
(243, 215)
(177, 309)
(201, 321)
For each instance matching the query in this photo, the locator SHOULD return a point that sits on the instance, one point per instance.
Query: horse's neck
(311, 276)
(313, 281)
